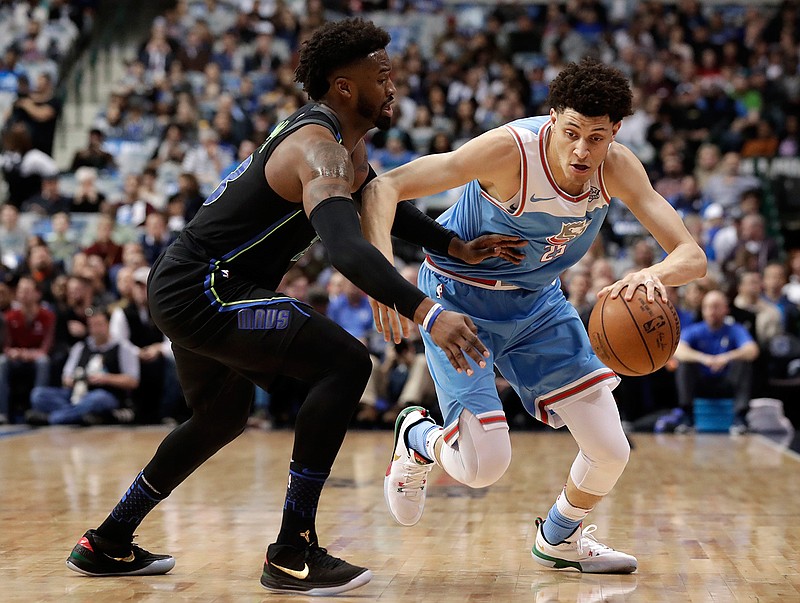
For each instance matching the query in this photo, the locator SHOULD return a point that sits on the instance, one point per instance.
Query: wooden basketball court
(710, 518)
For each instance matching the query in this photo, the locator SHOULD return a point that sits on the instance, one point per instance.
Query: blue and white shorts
(536, 340)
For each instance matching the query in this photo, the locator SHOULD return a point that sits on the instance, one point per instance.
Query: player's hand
(390, 322)
(631, 281)
(457, 335)
(505, 247)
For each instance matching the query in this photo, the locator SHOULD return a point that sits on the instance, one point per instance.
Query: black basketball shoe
(97, 556)
(310, 571)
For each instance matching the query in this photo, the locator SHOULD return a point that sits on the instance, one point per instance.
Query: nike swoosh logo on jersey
(299, 574)
(534, 198)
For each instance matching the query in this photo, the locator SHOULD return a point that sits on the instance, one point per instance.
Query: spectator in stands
(103, 244)
(98, 377)
(774, 282)
(150, 190)
(39, 111)
(12, 236)
(727, 185)
(689, 199)
(130, 209)
(195, 51)
(670, 182)
(138, 122)
(790, 137)
(30, 329)
(40, 266)
(133, 322)
(754, 250)
(207, 160)
(23, 165)
(87, 196)
(716, 357)
(172, 148)
(768, 319)
(351, 311)
(156, 237)
(707, 162)
(395, 152)
(93, 155)
(184, 204)
(62, 240)
(761, 141)
(49, 201)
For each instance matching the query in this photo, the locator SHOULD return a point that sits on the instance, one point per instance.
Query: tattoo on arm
(330, 160)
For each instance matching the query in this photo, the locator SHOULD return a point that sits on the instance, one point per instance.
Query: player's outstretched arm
(627, 180)
(326, 174)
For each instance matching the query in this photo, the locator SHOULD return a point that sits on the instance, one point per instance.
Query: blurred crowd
(716, 90)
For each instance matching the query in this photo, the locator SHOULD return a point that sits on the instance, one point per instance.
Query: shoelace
(319, 556)
(414, 476)
(587, 542)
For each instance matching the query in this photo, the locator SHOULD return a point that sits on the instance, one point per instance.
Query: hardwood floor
(710, 518)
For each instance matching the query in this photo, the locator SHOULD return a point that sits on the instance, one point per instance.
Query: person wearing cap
(132, 322)
(98, 377)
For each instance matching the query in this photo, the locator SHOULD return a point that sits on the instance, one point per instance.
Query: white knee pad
(479, 457)
(604, 449)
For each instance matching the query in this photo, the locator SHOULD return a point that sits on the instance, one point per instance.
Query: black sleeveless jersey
(244, 226)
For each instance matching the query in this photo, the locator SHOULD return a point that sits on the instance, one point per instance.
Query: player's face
(376, 90)
(578, 146)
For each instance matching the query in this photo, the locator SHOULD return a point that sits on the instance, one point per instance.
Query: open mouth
(579, 168)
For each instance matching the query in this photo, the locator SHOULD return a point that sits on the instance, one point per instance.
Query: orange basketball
(634, 337)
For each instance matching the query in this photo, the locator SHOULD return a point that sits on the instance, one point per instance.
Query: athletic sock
(130, 511)
(298, 527)
(419, 435)
(562, 520)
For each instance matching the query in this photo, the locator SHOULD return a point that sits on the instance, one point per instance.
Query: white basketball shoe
(407, 473)
(582, 552)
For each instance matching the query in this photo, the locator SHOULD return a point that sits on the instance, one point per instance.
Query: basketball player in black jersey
(213, 293)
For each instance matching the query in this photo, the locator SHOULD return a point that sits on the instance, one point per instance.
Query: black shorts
(221, 324)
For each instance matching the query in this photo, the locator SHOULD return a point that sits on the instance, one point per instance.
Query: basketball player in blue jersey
(213, 292)
(548, 180)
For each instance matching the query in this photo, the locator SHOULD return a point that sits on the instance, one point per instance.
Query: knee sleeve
(479, 457)
(604, 450)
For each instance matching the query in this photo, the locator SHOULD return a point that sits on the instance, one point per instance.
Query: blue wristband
(432, 315)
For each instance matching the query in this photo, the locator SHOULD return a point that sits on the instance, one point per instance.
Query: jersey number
(551, 252)
(229, 178)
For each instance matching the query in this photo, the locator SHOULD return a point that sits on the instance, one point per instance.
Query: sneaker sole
(154, 569)
(322, 591)
(556, 563)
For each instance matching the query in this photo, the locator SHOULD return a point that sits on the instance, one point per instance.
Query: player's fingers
(376, 315)
(451, 356)
(395, 324)
(406, 325)
(462, 363)
(475, 349)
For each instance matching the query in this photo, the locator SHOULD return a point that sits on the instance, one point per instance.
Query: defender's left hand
(390, 322)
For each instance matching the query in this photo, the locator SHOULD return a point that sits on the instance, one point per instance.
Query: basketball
(634, 337)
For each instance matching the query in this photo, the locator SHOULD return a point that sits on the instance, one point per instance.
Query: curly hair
(592, 89)
(334, 45)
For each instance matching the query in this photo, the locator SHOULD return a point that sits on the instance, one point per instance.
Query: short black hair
(592, 89)
(334, 45)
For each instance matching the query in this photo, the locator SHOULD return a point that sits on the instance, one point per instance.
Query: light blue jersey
(559, 227)
(536, 339)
